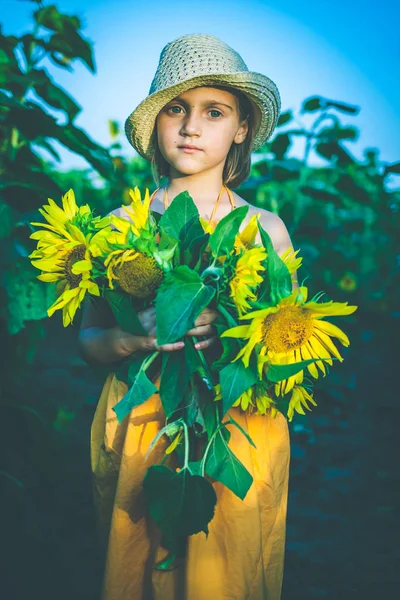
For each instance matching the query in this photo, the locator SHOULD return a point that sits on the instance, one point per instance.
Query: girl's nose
(191, 125)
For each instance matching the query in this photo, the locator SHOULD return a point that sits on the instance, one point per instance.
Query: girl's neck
(203, 188)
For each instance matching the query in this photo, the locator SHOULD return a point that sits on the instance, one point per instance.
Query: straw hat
(194, 60)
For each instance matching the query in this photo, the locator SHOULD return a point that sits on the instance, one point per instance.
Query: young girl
(204, 115)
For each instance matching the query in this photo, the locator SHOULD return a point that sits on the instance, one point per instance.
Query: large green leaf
(56, 96)
(235, 379)
(224, 466)
(32, 121)
(124, 312)
(181, 504)
(139, 392)
(278, 283)
(180, 299)
(230, 346)
(276, 373)
(66, 37)
(223, 238)
(177, 218)
(175, 375)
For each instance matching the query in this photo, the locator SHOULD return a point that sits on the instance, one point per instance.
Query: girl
(204, 115)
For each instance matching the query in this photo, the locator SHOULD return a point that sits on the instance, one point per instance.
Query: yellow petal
(333, 331)
(69, 204)
(236, 332)
(332, 309)
(80, 266)
(327, 342)
(50, 277)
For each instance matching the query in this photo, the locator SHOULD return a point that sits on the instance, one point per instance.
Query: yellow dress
(243, 556)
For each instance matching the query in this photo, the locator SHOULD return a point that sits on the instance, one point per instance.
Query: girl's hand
(148, 343)
(203, 327)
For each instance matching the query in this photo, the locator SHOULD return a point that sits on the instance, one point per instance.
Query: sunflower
(63, 253)
(244, 239)
(246, 276)
(298, 400)
(291, 260)
(256, 399)
(137, 274)
(290, 332)
(138, 211)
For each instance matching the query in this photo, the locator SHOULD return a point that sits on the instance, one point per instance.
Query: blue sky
(343, 50)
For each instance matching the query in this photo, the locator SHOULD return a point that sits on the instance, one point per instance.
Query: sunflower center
(287, 329)
(76, 254)
(140, 277)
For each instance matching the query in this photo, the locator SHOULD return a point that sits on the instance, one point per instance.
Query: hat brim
(261, 91)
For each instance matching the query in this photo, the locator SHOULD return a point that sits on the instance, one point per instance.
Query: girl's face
(205, 117)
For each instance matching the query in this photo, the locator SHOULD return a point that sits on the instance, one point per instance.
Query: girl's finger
(205, 343)
(208, 315)
(171, 347)
(202, 330)
(149, 344)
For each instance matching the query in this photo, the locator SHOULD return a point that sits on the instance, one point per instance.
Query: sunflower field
(342, 213)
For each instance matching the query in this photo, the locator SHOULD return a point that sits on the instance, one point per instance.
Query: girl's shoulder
(268, 219)
(271, 222)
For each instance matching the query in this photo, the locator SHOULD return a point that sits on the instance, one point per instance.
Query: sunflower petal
(332, 331)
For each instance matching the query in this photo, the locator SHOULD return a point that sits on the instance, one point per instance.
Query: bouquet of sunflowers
(273, 339)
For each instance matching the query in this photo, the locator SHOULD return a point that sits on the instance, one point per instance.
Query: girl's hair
(238, 160)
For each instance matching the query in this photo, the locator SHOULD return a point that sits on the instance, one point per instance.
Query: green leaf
(180, 299)
(7, 220)
(278, 283)
(51, 18)
(230, 346)
(170, 429)
(78, 141)
(66, 38)
(124, 312)
(193, 243)
(175, 377)
(276, 373)
(238, 426)
(223, 238)
(140, 391)
(195, 467)
(175, 221)
(235, 379)
(56, 96)
(181, 504)
(224, 466)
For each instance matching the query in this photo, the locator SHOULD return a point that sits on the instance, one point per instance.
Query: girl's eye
(216, 114)
(174, 106)
(216, 111)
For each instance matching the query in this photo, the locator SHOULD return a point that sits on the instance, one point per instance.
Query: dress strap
(153, 195)
(166, 203)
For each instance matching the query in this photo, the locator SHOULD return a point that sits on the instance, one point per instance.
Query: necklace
(211, 219)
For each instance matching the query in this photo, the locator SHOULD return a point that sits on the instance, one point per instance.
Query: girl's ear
(241, 132)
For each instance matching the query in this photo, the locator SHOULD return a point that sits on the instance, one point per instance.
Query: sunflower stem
(149, 360)
(205, 369)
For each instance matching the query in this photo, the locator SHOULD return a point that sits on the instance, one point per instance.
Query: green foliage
(278, 274)
(224, 466)
(194, 296)
(184, 508)
(141, 389)
(235, 379)
(222, 239)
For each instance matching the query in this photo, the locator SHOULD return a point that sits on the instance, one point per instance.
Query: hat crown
(192, 55)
